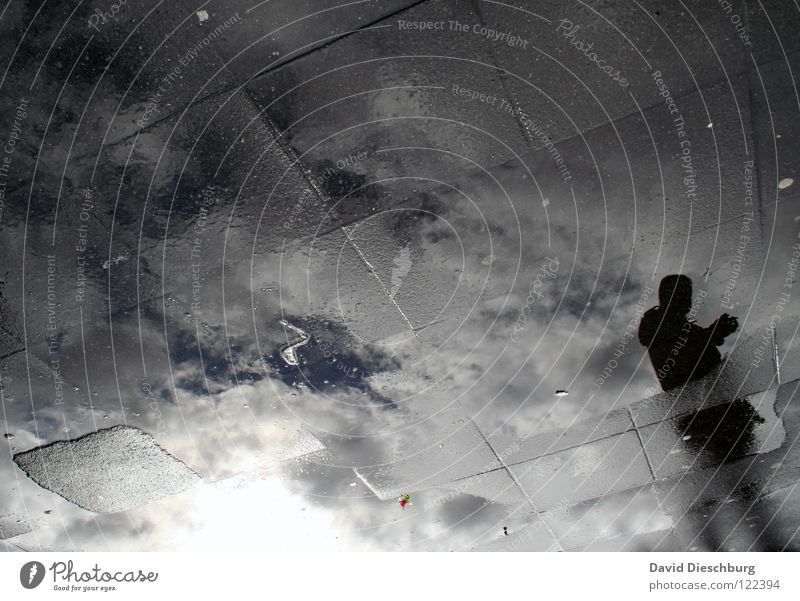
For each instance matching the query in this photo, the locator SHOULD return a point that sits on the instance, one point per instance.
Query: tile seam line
(310, 237)
(269, 70)
(550, 453)
(519, 486)
(244, 84)
(4, 329)
(589, 130)
(275, 68)
(374, 273)
(720, 223)
(509, 91)
(641, 444)
(758, 153)
(296, 164)
(775, 357)
(634, 428)
(11, 354)
(703, 407)
(337, 39)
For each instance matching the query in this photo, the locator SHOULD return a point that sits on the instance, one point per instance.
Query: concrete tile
(528, 534)
(9, 343)
(54, 297)
(302, 444)
(586, 472)
(495, 486)
(452, 449)
(399, 269)
(12, 525)
(750, 477)
(6, 547)
(338, 286)
(700, 238)
(219, 201)
(765, 524)
(713, 435)
(786, 346)
(771, 26)
(661, 541)
(381, 97)
(108, 471)
(737, 377)
(269, 35)
(627, 515)
(741, 373)
(775, 115)
(517, 451)
(10, 334)
(497, 284)
(36, 396)
(665, 405)
(788, 408)
(747, 478)
(473, 303)
(132, 70)
(635, 40)
(195, 206)
(160, 36)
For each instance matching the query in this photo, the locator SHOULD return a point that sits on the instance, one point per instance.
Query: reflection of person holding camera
(679, 349)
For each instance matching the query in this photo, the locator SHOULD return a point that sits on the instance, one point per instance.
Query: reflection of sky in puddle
(465, 360)
(410, 253)
(330, 363)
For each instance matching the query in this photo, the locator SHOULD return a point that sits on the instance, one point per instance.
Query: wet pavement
(266, 272)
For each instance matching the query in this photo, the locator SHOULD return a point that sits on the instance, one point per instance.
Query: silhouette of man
(679, 349)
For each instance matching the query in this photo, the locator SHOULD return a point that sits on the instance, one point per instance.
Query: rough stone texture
(109, 471)
(14, 525)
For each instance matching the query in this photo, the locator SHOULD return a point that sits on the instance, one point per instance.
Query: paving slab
(496, 486)
(440, 450)
(662, 541)
(516, 450)
(736, 377)
(268, 35)
(12, 525)
(770, 27)
(525, 534)
(714, 435)
(585, 472)
(108, 471)
(627, 514)
(369, 92)
(764, 524)
(691, 45)
(776, 112)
